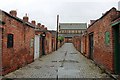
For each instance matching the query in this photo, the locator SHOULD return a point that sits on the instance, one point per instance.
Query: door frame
(91, 45)
(116, 51)
(37, 44)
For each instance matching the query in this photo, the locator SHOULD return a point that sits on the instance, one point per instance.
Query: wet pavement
(66, 62)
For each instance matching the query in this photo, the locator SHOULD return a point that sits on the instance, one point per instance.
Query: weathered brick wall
(50, 42)
(102, 53)
(48, 45)
(17, 56)
(77, 42)
(84, 45)
(53, 43)
(0, 49)
(29, 43)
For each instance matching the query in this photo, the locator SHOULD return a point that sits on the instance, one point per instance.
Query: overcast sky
(45, 11)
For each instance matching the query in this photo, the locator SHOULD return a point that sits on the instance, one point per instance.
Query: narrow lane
(64, 63)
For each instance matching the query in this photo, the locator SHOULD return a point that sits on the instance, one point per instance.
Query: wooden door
(37, 47)
(91, 46)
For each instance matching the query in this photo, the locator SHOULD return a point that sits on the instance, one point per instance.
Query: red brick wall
(68, 40)
(29, 43)
(84, 45)
(0, 49)
(19, 55)
(77, 42)
(48, 46)
(53, 43)
(103, 54)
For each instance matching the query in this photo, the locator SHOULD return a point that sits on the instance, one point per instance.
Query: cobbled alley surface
(66, 62)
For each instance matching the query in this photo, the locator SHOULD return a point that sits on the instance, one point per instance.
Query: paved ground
(64, 63)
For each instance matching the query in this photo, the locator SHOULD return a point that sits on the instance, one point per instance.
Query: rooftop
(73, 26)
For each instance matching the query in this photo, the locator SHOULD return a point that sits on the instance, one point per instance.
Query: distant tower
(119, 5)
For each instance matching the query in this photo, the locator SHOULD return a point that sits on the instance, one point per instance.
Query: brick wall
(21, 53)
(48, 46)
(53, 43)
(77, 42)
(0, 49)
(29, 43)
(102, 53)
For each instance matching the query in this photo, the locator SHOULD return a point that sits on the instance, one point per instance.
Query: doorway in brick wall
(91, 45)
(116, 42)
(37, 47)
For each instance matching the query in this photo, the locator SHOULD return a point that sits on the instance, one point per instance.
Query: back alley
(64, 63)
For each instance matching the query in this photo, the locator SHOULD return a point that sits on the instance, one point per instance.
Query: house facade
(47, 40)
(69, 30)
(116, 44)
(53, 39)
(101, 41)
(17, 42)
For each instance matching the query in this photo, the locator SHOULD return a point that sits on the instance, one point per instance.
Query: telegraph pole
(57, 32)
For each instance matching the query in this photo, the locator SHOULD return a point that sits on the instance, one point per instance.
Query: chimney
(92, 21)
(25, 18)
(45, 28)
(39, 25)
(33, 22)
(13, 13)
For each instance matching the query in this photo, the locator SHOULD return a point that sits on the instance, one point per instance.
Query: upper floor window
(72, 31)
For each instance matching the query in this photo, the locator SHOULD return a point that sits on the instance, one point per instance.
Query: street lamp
(43, 35)
(57, 32)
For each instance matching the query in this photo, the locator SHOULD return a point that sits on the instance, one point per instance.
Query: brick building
(116, 45)
(99, 42)
(17, 41)
(47, 40)
(69, 30)
(53, 39)
(1, 31)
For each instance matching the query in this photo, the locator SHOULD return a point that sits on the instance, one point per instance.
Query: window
(63, 31)
(10, 41)
(72, 31)
(107, 38)
(68, 31)
(76, 31)
(79, 31)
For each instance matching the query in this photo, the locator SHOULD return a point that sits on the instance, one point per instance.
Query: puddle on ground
(70, 61)
(73, 53)
(53, 61)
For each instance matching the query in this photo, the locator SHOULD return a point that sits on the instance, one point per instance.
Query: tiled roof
(73, 26)
(18, 19)
(69, 35)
